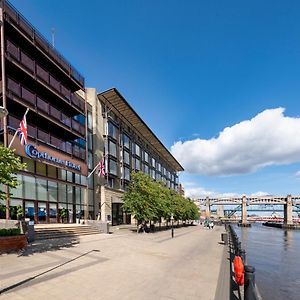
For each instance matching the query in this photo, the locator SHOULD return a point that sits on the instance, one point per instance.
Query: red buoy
(238, 270)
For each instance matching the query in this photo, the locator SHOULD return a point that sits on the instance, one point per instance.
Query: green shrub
(10, 232)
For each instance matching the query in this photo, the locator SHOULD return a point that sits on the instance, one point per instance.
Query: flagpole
(17, 130)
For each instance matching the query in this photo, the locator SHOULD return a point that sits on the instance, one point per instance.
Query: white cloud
(297, 174)
(270, 138)
(260, 194)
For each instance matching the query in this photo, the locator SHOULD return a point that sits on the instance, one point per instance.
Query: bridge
(244, 201)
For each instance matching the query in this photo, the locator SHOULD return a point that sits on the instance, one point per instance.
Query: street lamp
(172, 227)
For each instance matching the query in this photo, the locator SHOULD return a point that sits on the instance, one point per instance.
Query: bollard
(249, 288)
(243, 255)
(224, 238)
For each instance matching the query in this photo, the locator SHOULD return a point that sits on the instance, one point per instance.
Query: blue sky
(191, 69)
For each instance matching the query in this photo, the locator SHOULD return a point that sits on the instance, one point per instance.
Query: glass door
(29, 210)
(52, 212)
(42, 212)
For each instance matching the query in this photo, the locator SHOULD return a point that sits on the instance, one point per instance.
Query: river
(275, 254)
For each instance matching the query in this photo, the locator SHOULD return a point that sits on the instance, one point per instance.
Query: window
(137, 164)
(62, 192)
(126, 173)
(90, 120)
(146, 157)
(146, 169)
(51, 171)
(61, 174)
(52, 191)
(126, 159)
(153, 173)
(111, 182)
(126, 141)
(77, 195)
(90, 141)
(137, 150)
(90, 161)
(112, 167)
(41, 186)
(69, 176)
(40, 168)
(29, 164)
(153, 162)
(29, 187)
(112, 148)
(158, 167)
(70, 193)
(18, 191)
(112, 130)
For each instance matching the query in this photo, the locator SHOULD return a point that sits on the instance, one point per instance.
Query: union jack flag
(101, 168)
(22, 131)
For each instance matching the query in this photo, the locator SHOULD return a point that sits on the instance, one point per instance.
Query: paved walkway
(123, 265)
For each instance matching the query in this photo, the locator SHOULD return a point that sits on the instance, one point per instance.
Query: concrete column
(244, 209)
(288, 211)
(220, 211)
(207, 207)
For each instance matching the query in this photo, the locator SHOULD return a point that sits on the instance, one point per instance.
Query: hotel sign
(33, 153)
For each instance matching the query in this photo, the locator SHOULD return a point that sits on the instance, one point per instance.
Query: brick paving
(123, 265)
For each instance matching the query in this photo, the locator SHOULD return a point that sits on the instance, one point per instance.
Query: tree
(10, 164)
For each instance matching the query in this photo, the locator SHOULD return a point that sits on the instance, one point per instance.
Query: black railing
(32, 33)
(250, 288)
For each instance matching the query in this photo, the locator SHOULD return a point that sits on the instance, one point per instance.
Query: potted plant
(63, 214)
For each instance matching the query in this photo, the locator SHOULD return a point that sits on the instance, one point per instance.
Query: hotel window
(137, 150)
(29, 187)
(126, 159)
(112, 148)
(77, 195)
(146, 157)
(112, 130)
(153, 173)
(90, 121)
(51, 171)
(158, 177)
(42, 192)
(112, 167)
(77, 178)
(111, 182)
(126, 141)
(158, 167)
(137, 164)
(62, 192)
(70, 193)
(126, 173)
(146, 169)
(18, 191)
(153, 162)
(40, 168)
(52, 191)
(69, 176)
(29, 164)
(62, 174)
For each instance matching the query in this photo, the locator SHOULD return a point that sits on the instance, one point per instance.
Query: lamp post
(172, 227)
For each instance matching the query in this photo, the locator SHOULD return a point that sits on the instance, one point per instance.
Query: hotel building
(36, 76)
(127, 144)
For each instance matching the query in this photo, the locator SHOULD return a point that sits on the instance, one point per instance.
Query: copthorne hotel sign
(33, 153)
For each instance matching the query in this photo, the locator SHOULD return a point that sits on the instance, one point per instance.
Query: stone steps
(51, 232)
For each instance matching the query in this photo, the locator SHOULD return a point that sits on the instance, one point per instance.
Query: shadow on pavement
(41, 246)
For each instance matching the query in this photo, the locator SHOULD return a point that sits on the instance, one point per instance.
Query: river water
(275, 254)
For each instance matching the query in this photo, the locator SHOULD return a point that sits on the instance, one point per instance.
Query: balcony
(43, 136)
(35, 69)
(43, 106)
(16, 19)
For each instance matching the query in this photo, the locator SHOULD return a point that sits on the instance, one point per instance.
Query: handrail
(250, 289)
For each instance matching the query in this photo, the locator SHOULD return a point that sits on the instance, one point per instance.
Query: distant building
(181, 189)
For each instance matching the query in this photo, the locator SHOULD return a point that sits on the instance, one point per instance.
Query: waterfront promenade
(123, 265)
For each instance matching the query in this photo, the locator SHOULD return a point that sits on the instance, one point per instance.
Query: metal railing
(51, 82)
(15, 17)
(250, 289)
